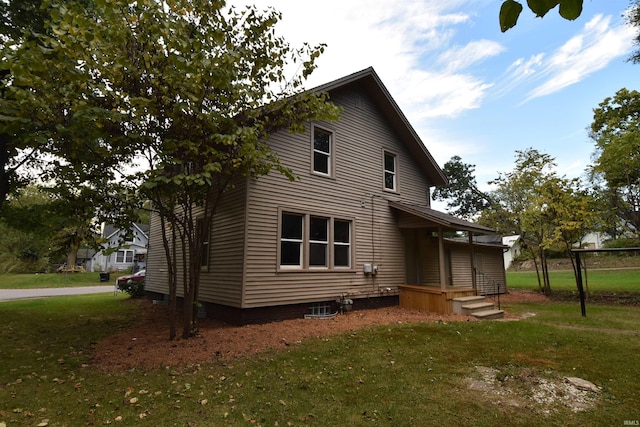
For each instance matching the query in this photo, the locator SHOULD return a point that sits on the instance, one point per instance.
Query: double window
(123, 256)
(322, 151)
(314, 242)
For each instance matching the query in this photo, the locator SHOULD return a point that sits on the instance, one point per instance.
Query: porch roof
(430, 218)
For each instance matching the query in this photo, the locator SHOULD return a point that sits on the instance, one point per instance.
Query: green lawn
(401, 374)
(54, 280)
(627, 280)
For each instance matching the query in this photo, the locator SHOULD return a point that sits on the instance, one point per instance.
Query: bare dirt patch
(525, 387)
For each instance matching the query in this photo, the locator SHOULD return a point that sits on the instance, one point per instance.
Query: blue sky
(467, 88)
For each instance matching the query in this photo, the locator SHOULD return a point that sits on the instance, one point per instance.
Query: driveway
(13, 294)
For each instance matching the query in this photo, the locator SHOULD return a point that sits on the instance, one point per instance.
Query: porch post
(442, 261)
(473, 261)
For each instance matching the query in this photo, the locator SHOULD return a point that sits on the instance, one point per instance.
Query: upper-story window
(390, 172)
(322, 151)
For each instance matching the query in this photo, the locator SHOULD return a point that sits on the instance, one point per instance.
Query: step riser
(457, 303)
(469, 309)
(489, 314)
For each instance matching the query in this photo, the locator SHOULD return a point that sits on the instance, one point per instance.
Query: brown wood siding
(221, 283)
(354, 192)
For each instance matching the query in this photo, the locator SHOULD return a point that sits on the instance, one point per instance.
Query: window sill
(316, 270)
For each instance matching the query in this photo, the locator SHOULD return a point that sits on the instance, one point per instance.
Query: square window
(322, 147)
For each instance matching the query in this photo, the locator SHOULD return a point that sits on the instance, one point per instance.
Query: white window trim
(326, 243)
(124, 256)
(331, 154)
(299, 241)
(305, 242)
(395, 172)
(334, 244)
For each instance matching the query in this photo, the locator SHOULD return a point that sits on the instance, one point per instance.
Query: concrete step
(489, 314)
(460, 301)
(476, 306)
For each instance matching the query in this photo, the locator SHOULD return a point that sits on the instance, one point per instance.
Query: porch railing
(488, 286)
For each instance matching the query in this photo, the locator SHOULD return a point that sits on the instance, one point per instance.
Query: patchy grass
(401, 374)
(54, 280)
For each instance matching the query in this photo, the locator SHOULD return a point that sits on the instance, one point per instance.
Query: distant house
(593, 240)
(124, 249)
(356, 230)
(514, 247)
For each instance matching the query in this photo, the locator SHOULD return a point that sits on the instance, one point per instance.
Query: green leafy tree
(549, 212)
(633, 19)
(510, 10)
(189, 90)
(616, 133)
(463, 197)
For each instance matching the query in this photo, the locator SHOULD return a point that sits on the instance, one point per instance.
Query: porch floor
(432, 297)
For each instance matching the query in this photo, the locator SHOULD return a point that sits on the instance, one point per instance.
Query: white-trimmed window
(341, 243)
(291, 240)
(313, 242)
(322, 151)
(390, 172)
(318, 242)
(123, 256)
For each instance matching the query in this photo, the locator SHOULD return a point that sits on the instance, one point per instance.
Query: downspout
(473, 266)
(441, 258)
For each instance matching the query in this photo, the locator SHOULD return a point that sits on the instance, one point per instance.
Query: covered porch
(438, 268)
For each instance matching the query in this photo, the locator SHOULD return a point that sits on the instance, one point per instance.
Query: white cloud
(394, 38)
(461, 57)
(593, 49)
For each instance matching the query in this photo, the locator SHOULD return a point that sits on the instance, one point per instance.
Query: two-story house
(355, 230)
(124, 248)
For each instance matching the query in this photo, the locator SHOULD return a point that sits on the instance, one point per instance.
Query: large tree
(188, 89)
(463, 197)
(616, 133)
(548, 211)
(634, 20)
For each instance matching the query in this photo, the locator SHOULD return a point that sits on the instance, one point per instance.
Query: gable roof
(110, 229)
(370, 81)
(440, 219)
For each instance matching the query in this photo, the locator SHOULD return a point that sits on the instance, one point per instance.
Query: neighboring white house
(514, 248)
(131, 248)
(593, 240)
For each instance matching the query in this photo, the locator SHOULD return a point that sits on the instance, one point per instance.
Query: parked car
(133, 284)
(132, 278)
